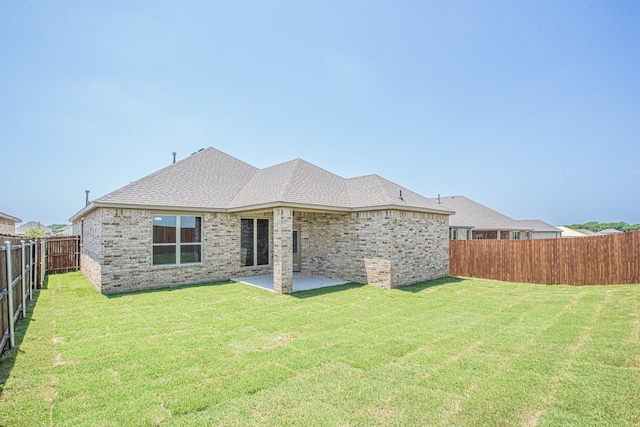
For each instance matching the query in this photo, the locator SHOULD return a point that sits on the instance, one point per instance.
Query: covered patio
(301, 282)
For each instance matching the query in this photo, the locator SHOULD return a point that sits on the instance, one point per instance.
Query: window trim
(178, 243)
(255, 241)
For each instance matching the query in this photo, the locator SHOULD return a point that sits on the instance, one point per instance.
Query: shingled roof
(469, 212)
(539, 226)
(211, 180)
(9, 217)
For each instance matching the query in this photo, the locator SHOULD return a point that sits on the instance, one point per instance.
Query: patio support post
(283, 250)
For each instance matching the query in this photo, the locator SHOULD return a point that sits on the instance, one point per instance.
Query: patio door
(296, 250)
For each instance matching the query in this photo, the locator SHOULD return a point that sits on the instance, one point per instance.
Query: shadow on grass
(421, 286)
(8, 358)
(324, 291)
(164, 288)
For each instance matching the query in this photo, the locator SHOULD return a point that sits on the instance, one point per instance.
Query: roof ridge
(159, 171)
(288, 183)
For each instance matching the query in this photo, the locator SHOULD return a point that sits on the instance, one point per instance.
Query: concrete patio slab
(301, 282)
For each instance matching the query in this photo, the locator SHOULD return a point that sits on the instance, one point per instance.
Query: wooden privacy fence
(63, 254)
(23, 265)
(596, 260)
(20, 275)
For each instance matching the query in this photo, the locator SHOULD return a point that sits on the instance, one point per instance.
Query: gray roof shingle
(471, 213)
(539, 226)
(32, 224)
(207, 179)
(211, 179)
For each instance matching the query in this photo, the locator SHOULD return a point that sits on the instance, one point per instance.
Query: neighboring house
(211, 217)
(67, 230)
(586, 232)
(8, 223)
(476, 221)
(570, 232)
(32, 224)
(541, 230)
(607, 231)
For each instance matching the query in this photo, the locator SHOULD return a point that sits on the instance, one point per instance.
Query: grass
(446, 352)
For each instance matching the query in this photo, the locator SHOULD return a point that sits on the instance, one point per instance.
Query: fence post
(43, 261)
(77, 254)
(23, 262)
(12, 338)
(31, 270)
(36, 263)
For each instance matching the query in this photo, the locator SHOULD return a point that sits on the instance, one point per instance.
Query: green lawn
(446, 352)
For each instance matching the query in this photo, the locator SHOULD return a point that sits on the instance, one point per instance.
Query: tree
(36, 233)
(55, 228)
(597, 226)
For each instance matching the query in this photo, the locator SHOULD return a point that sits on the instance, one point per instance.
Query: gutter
(299, 206)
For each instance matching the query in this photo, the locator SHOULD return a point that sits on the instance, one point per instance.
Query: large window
(254, 241)
(177, 239)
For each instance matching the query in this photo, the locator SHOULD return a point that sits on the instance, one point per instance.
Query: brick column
(283, 250)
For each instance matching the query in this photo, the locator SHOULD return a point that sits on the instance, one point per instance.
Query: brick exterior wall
(483, 234)
(117, 251)
(383, 248)
(7, 226)
(493, 235)
(91, 247)
(543, 235)
(461, 233)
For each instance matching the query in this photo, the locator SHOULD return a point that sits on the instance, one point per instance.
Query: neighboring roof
(9, 217)
(608, 231)
(538, 226)
(67, 230)
(211, 180)
(570, 232)
(586, 232)
(32, 224)
(471, 213)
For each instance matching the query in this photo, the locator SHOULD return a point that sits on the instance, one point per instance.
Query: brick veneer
(545, 235)
(384, 248)
(7, 226)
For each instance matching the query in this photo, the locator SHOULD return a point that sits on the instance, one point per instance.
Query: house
(570, 232)
(32, 224)
(608, 231)
(473, 220)
(586, 232)
(67, 230)
(211, 217)
(541, 230)
(8, 223)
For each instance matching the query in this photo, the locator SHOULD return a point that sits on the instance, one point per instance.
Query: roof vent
(439, 202)
(401, 198)
(174, 156)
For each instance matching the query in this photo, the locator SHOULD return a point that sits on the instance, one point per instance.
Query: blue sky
(529, 107)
